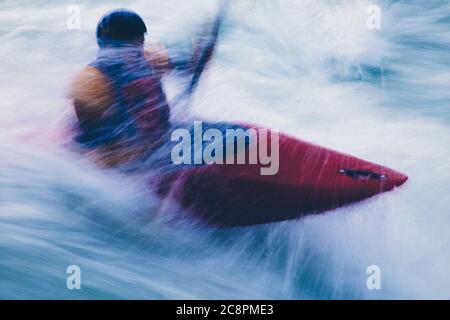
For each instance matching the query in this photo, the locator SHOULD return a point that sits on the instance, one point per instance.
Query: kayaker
(121, 109)
(120, 105)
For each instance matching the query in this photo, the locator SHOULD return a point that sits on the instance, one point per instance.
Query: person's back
(118, 99)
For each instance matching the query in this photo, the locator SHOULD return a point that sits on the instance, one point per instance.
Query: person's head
(121, 27)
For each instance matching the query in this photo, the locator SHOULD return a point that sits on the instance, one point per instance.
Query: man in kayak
(122, 112)
(121, 109)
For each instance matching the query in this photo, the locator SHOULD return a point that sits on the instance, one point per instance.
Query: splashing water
(310, 68)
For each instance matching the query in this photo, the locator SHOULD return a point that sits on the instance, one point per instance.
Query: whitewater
(310, 68)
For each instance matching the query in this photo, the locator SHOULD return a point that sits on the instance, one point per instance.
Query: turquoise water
(310, 68)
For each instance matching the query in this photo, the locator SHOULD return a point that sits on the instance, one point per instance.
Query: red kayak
(311, 179)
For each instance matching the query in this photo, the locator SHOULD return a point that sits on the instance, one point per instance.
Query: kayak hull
(311, 179)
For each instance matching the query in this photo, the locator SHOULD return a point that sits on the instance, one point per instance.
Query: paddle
(205, 53)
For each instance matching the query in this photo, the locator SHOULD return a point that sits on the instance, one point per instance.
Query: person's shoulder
(91, 86)
(158, 57)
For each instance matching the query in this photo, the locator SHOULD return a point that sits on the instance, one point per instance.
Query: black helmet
(120, 26)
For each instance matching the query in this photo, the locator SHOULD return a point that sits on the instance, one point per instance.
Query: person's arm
(158, 57)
